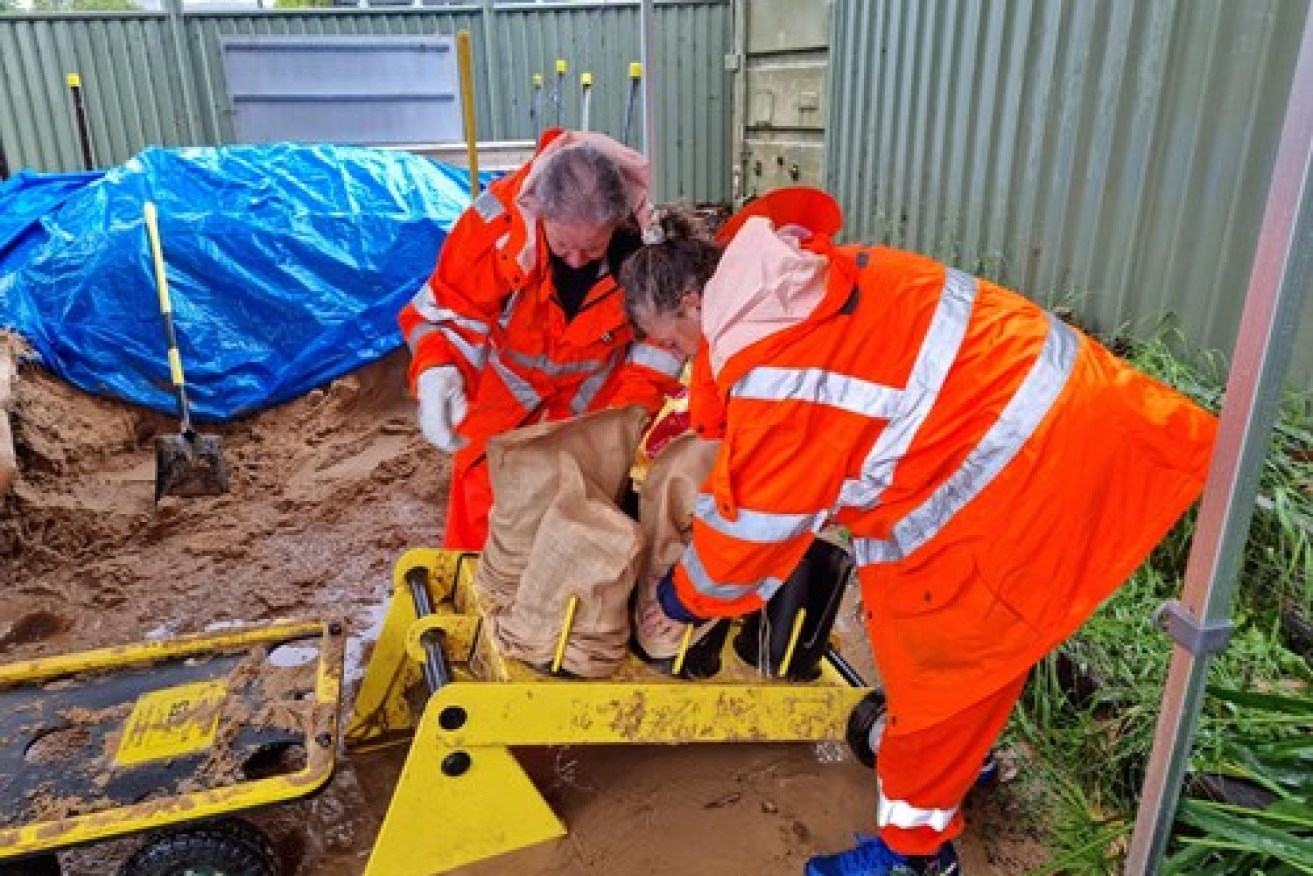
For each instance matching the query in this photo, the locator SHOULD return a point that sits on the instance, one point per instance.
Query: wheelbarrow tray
(111, 742)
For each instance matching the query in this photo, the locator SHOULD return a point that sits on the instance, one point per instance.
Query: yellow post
(465, 61)
(571, 607)
(558, 93)
(793, 641)
(586, 100)
(685, 642)
(635, 83)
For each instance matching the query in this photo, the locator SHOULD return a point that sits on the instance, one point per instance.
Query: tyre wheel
(227, 848)
(41, 865)
(866, 726)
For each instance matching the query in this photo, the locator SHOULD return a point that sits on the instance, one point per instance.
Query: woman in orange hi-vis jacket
(1000, 472)
(522, 319)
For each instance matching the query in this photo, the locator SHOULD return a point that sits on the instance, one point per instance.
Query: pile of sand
(326, 492)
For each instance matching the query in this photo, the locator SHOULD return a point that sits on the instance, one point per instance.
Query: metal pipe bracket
(1209, 637)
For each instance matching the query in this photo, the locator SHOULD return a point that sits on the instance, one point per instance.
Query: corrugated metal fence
(150, 78)
(1115, 153)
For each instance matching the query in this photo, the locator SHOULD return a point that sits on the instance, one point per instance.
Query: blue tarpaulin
(287, 266)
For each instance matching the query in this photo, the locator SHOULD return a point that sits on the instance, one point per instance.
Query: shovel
(189, 463)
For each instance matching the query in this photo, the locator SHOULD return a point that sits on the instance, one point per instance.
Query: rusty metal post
(465, 61)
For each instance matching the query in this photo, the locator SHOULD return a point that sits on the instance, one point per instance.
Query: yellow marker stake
(558, 95)
(793, 642)
(571, 607)
(73, 80)
(684, 644)
(586, 101)
(465, 61)
(537, 80)
(635, 82)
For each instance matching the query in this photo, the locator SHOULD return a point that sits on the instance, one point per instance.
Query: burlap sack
(555, 531)
(525, 468)
(666, 504)
(585, 548)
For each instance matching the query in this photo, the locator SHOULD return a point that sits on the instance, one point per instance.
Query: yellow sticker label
(171, 723)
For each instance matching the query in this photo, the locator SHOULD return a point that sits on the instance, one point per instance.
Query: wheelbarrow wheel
(865, 726)
(227, 848)
(41, 865)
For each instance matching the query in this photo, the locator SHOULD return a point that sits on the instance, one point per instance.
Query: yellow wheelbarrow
(436, 676)
(167, 739)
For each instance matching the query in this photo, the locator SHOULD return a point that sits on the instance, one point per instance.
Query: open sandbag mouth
(567, 575)
(561, 557)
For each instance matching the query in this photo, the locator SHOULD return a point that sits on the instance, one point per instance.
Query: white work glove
(442, 406)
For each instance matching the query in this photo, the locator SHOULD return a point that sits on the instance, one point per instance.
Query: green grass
(1275, 754)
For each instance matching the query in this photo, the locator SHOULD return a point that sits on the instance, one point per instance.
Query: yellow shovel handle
(162, 286)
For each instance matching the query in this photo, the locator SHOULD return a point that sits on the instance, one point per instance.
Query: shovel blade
(189, 464)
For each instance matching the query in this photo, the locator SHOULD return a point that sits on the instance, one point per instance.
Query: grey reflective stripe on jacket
(419, 333)
(656, 358)
(442, 319)
(520, 388)
(556, 369)
(475, 354)
(939, 349)
(488, 206)
(703, 583)
(426, 305)
(588, 390)
(758, 526)
(1027, 408)
(816, 385)
(508, 309)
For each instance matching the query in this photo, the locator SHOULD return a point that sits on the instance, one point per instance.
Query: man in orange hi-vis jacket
(522, 319)
(1000, 472)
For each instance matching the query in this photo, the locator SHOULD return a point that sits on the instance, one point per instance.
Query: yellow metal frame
(94, 827)
(462, 796)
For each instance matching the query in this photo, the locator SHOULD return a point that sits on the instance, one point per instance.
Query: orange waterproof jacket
(489, 309)
(1001, 472)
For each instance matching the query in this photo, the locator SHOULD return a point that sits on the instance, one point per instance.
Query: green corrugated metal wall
(1113, 152)
(136, 97)
(126, 63)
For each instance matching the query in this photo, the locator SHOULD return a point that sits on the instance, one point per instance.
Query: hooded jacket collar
(766, 283)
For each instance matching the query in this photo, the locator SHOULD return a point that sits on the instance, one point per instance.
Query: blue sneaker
(872, 857)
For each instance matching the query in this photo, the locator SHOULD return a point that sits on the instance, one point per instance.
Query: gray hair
(581, 184)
